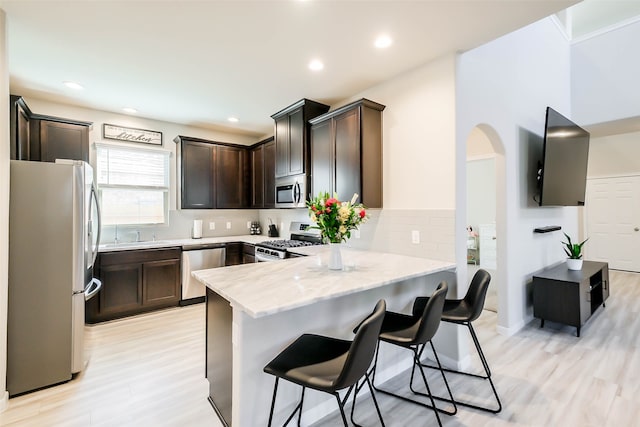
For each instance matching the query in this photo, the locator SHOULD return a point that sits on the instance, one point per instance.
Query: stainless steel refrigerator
(54, 233)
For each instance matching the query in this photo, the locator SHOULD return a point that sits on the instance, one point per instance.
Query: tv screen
(563, 174)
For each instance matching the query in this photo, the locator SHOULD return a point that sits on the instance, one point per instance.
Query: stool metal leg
(416, 361)
(487, 375)
(273, 401)
(444, 378)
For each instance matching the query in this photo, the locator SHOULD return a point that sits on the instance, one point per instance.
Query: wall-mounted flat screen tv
(562, 176)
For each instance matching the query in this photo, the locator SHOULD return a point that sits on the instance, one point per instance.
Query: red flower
(330, 202)
(362, 213)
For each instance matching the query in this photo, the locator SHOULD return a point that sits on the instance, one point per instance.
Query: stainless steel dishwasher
(198, 257)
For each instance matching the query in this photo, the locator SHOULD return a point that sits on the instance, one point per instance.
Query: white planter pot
(574, 264)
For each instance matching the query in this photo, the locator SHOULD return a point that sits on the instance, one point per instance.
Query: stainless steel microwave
(291, 191)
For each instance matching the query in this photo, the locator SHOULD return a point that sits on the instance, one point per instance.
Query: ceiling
(199, 62)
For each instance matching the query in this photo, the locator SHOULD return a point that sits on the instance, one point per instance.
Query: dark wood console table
(570, 297)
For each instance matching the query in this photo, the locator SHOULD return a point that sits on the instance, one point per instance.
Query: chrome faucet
(137, 235)
(115, 238)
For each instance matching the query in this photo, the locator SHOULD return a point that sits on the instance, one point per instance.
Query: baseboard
(507, 332)
(4, 402)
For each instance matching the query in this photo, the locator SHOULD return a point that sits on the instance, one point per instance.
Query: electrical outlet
(356, 233)
(228, 225)
(248, 224)
(415, 237)
(212, 225)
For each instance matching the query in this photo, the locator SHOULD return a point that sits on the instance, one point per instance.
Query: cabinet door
(63, 141)
(322, 155)
(282, 145)
(296, 142)
(121, 289)
(197, 175)
(269, 169)
(257, 177)
(230, 180)
(161, 283)
(347, 148)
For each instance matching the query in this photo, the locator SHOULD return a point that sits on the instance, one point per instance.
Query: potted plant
(574, 252)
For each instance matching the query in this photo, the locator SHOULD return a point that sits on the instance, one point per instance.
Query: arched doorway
(486, 212)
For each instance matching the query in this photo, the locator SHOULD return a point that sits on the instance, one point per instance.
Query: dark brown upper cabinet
(212, 175)
(46, 138)
(292, 136)
(60, 140)
(263, 155)
(346, 152)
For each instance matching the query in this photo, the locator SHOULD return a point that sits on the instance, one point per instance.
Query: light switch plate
(212, 225)
(248, 224)
(415, 237)
(228, 225)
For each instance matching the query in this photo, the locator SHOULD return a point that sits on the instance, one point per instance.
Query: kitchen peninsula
(254, 311)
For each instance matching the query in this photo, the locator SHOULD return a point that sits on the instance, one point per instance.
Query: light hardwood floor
(149, 371)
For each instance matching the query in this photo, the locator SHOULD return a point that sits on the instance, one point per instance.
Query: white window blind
(133, 184)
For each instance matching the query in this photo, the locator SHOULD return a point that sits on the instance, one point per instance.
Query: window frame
(166, 189)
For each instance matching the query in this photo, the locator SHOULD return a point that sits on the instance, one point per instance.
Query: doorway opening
(485, 209)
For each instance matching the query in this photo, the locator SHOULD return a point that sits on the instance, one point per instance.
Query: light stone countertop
(170, 243)
(271, 287)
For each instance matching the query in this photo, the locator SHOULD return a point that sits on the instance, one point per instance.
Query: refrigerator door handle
(94, 199)
(92, 289)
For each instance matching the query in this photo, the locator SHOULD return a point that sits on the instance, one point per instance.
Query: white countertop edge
(177, 243)
(201, 275)
(259, 314)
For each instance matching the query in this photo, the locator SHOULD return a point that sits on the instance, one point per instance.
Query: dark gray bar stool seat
(329, 364)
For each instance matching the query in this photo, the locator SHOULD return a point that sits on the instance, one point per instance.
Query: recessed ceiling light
(129, 110)
(73, 85)
(382, 41)
(233, 119)
(316, 65)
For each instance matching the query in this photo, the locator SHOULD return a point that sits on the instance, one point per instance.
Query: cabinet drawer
(138, 255)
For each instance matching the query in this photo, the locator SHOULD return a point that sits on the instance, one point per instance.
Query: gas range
(274, 250)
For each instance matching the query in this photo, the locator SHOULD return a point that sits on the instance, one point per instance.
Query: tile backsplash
(388, 230)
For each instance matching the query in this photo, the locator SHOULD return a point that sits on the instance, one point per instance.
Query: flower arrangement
(336, 219)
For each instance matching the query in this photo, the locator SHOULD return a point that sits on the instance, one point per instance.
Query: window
(133, 184)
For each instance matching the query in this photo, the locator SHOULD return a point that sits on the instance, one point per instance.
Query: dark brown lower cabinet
(134, 282)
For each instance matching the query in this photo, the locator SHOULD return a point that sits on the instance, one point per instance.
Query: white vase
(574, 264)
(335, 257)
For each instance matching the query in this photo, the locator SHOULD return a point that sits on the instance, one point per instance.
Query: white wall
(604, 76)
(481, 192)
(505, 86)
(4, 207)
(614, 155)
(418, 136)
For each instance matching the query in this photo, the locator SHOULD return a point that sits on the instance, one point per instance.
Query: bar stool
(413, 332)
(329, 364)
(463, 312)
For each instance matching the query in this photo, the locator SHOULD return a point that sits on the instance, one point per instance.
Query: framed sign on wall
(121, 133)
